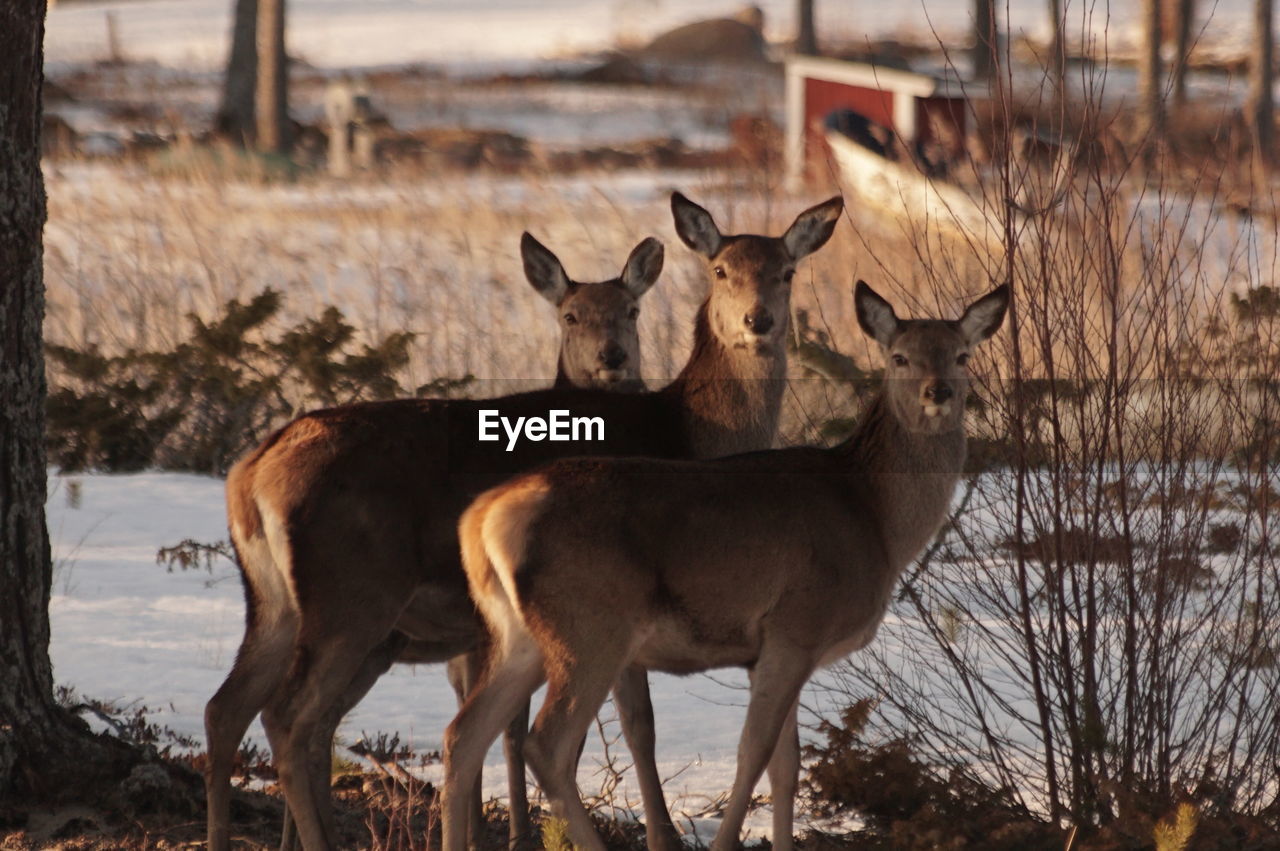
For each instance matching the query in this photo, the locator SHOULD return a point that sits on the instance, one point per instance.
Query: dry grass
(129, 255)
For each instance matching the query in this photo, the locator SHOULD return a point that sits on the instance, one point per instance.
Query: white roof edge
(870, 76)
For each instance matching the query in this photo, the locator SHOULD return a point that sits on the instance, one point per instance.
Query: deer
(780, 561)
(345, 520)
(599, 347)
(599, 331)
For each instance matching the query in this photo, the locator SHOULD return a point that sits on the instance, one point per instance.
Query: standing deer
(599, 347)
(777, 561)
(345, 520)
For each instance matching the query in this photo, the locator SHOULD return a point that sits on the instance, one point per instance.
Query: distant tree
(47, 755)
(1177, 18)
(985, 39)
(806, 35)
(1150, 87)
(236, 113)
(1057, 59)
(1261, 77)
(272, 90)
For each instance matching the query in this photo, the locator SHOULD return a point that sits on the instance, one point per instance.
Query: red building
(919, 108)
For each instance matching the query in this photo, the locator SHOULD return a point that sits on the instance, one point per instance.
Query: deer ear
(643, 267)
(985, 316)
(543, 270)
(812, 228)
(695, 227)
(875, 315)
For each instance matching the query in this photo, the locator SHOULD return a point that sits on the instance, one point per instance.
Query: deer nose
(612, 356)
(759, 321)
(938, 392)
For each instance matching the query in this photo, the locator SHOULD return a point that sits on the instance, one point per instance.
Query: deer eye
(570, 319)
(720, 273)
(788, 275)
(962, 358)
(899, 360)
(633, 313)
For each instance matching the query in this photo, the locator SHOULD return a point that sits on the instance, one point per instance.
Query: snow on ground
(569, 115)
(125, 630)
(555, 115)
(503, 33)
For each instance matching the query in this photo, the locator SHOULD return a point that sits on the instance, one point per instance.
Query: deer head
(751, 275)
(599, 336)
(926, 372)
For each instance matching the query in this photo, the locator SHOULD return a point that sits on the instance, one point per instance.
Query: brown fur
(369, 496)
(596, 320)
(778, 561)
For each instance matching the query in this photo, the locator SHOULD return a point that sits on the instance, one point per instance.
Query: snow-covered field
(489, 34)
(126, 630)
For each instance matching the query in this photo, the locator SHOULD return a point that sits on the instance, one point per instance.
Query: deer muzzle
(612, 356)
(936, 398)
(759, 321)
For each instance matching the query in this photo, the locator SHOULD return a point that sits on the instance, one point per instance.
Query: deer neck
(730, 398)
(907, 479)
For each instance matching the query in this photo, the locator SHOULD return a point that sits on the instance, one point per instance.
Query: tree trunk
(1150, 95)
(806, 35)
(46, 754)
(985, 39)
(1261, 74)
(1057, 51)
(1183, 14)
(26, 685)
(273, 91)
(236, 116)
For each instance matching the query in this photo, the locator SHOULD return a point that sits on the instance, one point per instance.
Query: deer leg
(776, 680)
(275, 724)
(374, 666)
(263, 654)
(519, 831)
(288, 833)
(784, 778)
(464, 675)
(574, 696)
(635, 712)
(513, 675)
(299, 714)
(464, 671)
